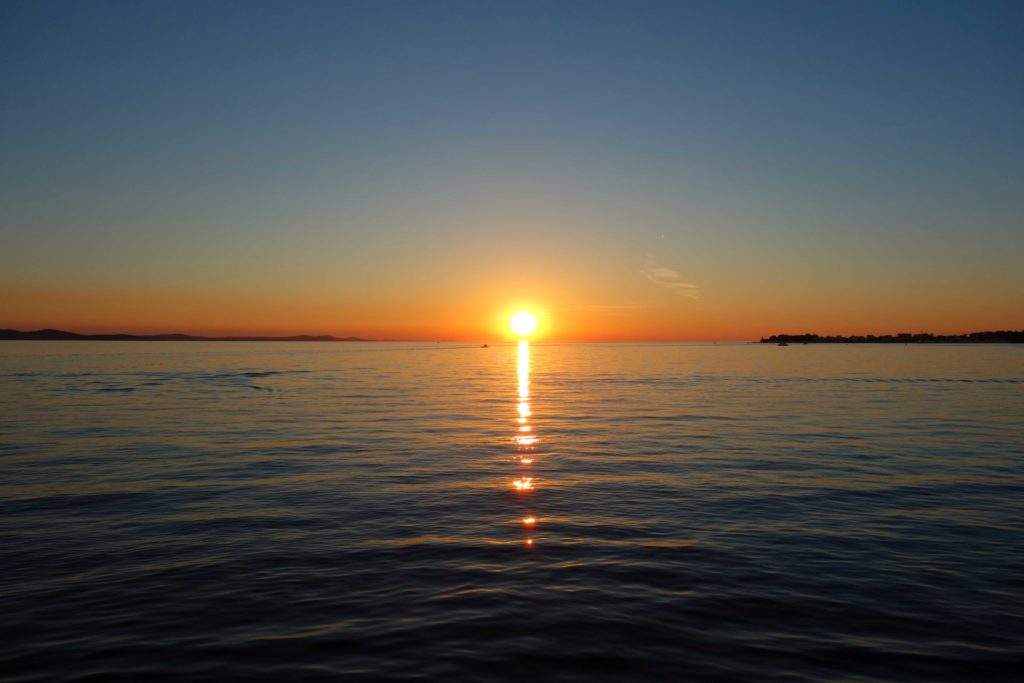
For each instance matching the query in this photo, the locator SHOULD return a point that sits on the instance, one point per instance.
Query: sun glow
(523, 323)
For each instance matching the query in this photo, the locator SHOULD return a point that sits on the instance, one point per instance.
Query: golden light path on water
(525, 439)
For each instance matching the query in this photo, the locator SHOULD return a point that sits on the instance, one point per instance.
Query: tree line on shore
(998, 337)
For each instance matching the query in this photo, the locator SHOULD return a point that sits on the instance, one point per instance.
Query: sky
(421, 170)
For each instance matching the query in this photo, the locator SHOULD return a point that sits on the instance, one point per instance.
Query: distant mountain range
(61, 335)
(1000, 337)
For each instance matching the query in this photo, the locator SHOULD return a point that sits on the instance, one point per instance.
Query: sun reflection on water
(525, 440)
(524, 437)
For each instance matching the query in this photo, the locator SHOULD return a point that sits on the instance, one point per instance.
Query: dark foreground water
(223, 512)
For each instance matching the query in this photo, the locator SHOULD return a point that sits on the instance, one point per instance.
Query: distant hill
(61, 335)
(1000, 337)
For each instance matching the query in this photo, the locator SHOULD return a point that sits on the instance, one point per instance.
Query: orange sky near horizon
(562, 316)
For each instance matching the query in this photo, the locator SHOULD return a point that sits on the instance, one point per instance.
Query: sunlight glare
(523, 323)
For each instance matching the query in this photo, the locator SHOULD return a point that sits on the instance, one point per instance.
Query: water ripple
(306, 512)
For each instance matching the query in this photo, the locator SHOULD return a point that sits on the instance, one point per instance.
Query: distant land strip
(61, 335)
(1000, 337)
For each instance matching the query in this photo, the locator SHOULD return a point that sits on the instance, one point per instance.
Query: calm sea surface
(262, 511)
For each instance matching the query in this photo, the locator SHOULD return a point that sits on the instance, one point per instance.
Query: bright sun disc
(524, 323)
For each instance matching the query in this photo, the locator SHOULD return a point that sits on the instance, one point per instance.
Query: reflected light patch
(524, 369)
(526, 461)
(524, 484)
(529, 521)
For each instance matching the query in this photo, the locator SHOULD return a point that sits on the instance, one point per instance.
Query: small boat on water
(485, 346)
(783, 343)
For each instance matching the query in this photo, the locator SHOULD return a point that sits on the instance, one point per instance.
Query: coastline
(998, 337)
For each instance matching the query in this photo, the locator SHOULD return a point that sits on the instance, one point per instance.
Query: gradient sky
(632, 170)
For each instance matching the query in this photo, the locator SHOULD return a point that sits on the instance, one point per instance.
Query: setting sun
(523, 323)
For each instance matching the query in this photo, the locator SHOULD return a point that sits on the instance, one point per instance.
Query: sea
(220, 511)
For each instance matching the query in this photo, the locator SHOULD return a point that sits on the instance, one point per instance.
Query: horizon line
(56, 334)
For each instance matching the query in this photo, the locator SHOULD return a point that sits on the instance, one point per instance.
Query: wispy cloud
(670, 280)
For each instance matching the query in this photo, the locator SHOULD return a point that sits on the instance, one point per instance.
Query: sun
(523, 323)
